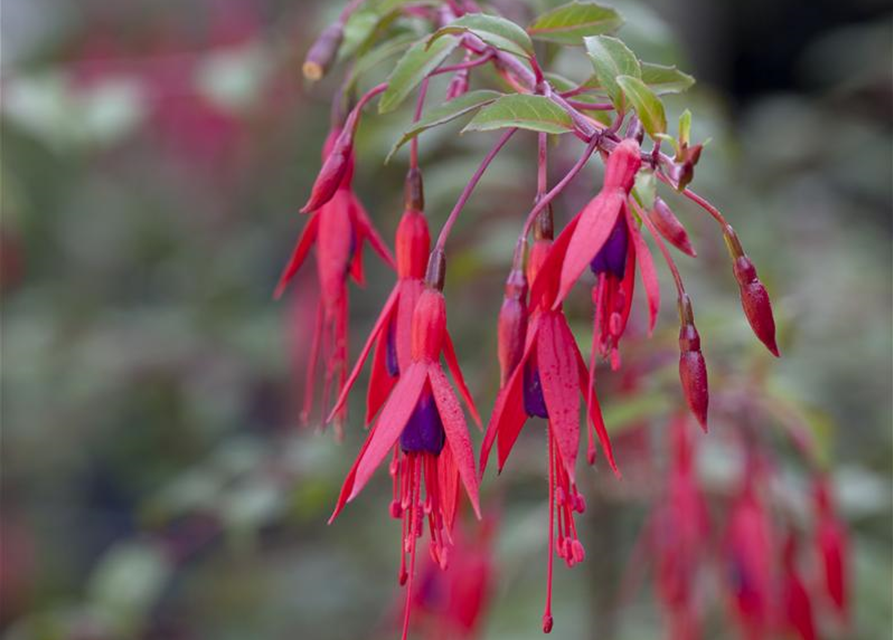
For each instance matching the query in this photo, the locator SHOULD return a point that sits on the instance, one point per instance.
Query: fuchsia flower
(422, 423)
(749, 552)
(338, 228)
(605, 237)
(678, 532)
(833, 548)
(798, 616)
(546, 383)
(391, 334)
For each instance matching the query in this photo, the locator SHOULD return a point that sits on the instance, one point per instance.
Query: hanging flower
(678, 531)
(422, 424)
(749, 566)
(338, 229)
(546, 383)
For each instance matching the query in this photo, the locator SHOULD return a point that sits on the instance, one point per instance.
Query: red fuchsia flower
(338, 229)
(546, 383)
(678, 533)
(749, 552)
(754, 297)
(391, 334)
(451, 603)
(422, 423)
(833, 548)
(798, 617)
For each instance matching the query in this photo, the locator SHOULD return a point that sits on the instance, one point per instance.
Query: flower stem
(466, 192)
(414, 145)
(543, 202)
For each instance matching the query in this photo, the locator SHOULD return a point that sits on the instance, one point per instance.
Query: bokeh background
(154, 483)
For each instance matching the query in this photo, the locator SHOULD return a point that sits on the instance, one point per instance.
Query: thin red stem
(461, 66)
(680, 288)
(420, 105)
(558, 188)
(466, 192)
(591, 106)
(698, 200)
(542, 165)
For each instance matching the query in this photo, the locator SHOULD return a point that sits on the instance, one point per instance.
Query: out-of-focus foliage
(154, 483)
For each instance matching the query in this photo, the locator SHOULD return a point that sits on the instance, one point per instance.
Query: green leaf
(685, 127)
(645, 189)
(443, 113)
(570, 23)
(496, 32)
(536, 113)
(376, 56)
(422, 58)
(663, 80)
(647, 105)
(611, 58)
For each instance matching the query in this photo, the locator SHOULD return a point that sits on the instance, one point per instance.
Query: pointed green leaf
(536, 113)
(496, 32)
(413, 67)
(445, 112)
(374, 57)
(611, 58)
(663, 80)
(570, 23)
(685, 127)
(647, 105)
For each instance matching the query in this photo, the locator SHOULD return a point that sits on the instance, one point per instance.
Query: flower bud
(428, 325)
(754, 297)
(335, 168)
(666, 222)
(622, 166)
(323, 52)
(692, 368)
(512, 324)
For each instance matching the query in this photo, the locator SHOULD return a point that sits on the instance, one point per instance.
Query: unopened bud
(323, 52)
(334, 169)
(754, 297)
(668, 225)
(512, 324)
(692, 367)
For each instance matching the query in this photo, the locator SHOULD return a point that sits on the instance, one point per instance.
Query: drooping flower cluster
(414, 412)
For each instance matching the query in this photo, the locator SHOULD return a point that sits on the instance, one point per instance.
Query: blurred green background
(155, 152)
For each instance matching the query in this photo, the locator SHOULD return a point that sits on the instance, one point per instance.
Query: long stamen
(547, 613)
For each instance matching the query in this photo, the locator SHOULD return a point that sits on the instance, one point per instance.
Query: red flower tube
(798, 617)
(833, 548)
